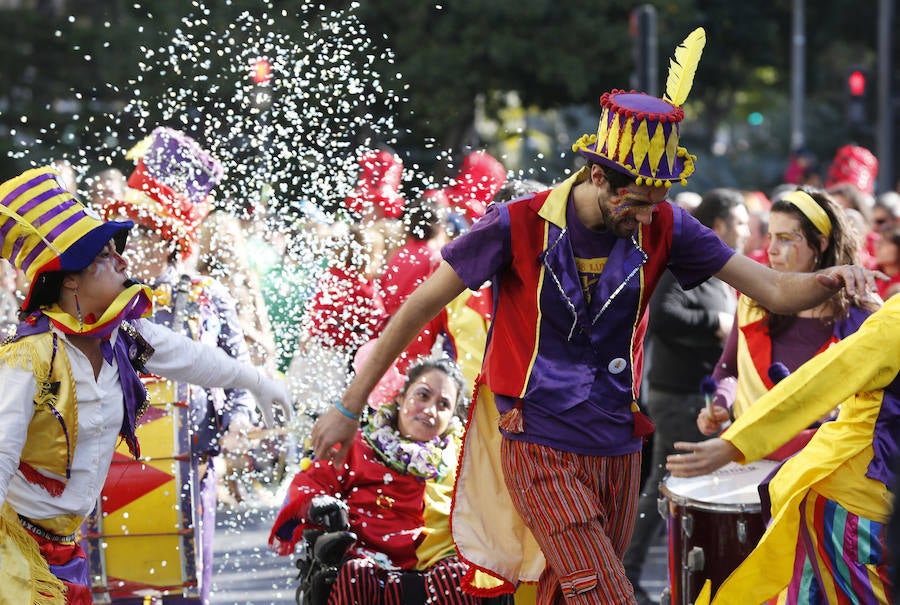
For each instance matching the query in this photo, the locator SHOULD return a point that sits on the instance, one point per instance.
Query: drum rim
(716, 507)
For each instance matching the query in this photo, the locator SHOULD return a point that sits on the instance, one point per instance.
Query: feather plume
(683, 67)
(140, 149)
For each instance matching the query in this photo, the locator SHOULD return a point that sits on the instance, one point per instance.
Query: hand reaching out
(270, 392)
(701, 458)
(858, 281)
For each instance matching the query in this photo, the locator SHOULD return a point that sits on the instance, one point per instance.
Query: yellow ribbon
(112, 314)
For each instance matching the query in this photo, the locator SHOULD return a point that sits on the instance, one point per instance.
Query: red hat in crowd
(377, 185)
(479, 178)
(855, 165)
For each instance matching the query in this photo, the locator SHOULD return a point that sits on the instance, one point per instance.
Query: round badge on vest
(617, 365)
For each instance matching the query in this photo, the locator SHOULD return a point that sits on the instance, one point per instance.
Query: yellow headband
(811, 210)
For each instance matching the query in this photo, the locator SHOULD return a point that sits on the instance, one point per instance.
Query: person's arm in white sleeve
(178, 357)
(16, 411)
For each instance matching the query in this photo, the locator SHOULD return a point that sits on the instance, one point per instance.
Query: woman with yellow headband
(829, 504)
(808, 231)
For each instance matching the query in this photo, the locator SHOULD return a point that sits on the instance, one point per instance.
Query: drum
(141, 540)
(713, 522)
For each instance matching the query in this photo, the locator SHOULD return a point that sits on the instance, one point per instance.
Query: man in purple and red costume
(550, 466)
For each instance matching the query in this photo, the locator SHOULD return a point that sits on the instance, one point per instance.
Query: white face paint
(102, 281)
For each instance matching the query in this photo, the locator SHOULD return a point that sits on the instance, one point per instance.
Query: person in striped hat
(168, 196)
(71, 384)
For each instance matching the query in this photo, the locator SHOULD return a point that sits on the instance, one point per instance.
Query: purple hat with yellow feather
(638, 133)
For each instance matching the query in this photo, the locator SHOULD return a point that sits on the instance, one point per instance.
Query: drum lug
(687, 525)
(662, 507)
(666, 597)
(742, 530)
(696, 559)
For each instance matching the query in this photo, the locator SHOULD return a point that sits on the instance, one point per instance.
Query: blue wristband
(340, 407)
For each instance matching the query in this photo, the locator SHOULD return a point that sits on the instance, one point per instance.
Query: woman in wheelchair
(381, 521)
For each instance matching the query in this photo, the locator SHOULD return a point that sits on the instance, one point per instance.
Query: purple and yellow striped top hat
(44, 228)
(638, 133)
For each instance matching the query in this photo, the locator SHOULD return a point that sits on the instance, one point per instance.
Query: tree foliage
(451, 60)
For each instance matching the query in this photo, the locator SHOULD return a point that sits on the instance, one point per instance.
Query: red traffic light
(261, 71)
(856, 81)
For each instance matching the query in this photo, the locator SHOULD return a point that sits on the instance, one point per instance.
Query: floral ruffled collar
(417, 458)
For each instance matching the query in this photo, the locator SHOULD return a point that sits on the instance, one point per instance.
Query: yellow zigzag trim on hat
(671, 151)
(603, 128)
(641, 145)
(625, 143)
(657, 149)
(612, 140)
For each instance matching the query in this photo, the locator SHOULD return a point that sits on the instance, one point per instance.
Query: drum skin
(712, 524)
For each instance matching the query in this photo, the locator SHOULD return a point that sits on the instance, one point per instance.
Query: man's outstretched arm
(788, 293)
(334, 426)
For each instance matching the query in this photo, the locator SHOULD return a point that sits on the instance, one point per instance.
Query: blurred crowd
(310, 293)
(311, 290)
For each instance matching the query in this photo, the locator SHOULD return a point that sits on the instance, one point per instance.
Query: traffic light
(261, 71)
(642, 26)
(857, 101)
(261, 74)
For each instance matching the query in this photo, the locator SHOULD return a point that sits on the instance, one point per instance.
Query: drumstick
(260, 433)
(708, 387)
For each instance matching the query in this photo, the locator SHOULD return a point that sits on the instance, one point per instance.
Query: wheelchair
(322, 552)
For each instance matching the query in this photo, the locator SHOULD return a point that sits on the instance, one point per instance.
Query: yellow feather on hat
(683, 67)
(140, 148)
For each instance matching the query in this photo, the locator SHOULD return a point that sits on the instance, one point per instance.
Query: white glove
(269, 391)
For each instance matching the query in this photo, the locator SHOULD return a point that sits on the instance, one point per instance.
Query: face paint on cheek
(95, 269)
(792, 255)
(617, 203)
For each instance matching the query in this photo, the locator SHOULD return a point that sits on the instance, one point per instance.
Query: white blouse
(100, 415)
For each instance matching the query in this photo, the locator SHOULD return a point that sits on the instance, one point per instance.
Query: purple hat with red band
(638, 133)
(169, 189)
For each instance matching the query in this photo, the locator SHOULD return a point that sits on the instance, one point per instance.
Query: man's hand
(237, 439)
(857, 281)
(701, 458)
(271, 392)
(333, 429)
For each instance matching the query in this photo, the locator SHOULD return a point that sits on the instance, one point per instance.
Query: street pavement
(246, 572)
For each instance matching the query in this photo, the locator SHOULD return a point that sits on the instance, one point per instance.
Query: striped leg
(581, 510)
(442, 583)
(359, 582)
(846, 556)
